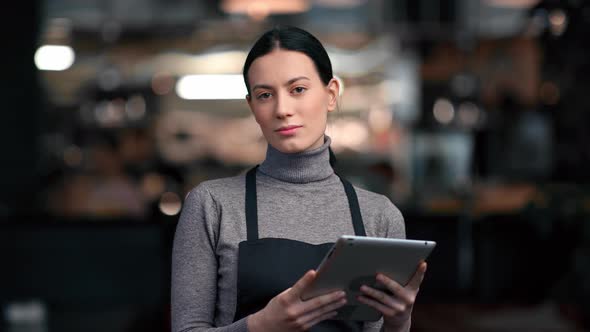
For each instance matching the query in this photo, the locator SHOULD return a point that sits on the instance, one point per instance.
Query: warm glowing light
(557, 17)
(261, 8)
(443, 111)
(558, 20)
(54, 57)
(258, 10)
(170, 204)
(211, 87)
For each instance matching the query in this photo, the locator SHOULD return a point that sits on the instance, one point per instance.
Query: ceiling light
(257, 8)
(211, 87)
(54, 57)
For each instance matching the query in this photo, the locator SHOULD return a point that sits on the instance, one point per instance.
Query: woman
(245, 247)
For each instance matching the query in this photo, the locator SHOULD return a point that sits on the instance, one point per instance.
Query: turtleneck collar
(301, 167)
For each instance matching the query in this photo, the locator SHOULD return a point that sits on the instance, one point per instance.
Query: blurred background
(470, 115)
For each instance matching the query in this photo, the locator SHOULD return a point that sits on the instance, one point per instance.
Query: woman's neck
(302, 167)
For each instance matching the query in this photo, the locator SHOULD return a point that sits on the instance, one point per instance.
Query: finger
(382, 308)
(379, 296)
(393, 286)
(314, 315)
(320, 319)
(322, 301)
(301, 284)
(416, 280)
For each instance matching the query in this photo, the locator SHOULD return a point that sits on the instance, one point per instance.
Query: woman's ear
(333, 94)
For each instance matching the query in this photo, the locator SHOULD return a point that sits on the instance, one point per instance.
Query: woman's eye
(299, 89)
(265, 95)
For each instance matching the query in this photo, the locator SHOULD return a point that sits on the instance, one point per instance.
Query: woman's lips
(288, 130)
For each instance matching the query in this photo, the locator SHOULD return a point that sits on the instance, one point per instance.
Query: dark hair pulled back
(292, 39)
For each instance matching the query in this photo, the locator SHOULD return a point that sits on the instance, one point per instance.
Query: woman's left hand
(397, 305)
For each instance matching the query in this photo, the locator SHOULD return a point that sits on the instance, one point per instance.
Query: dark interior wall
(20, 107)
(89, 275)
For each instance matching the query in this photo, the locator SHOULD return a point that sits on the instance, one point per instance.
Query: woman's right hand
(288, 312)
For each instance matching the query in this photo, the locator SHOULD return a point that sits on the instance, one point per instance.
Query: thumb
(418, 276)
(302, 284)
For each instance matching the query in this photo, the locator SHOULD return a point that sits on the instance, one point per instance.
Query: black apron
(268, 266)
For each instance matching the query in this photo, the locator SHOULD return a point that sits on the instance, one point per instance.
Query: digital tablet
(354, 261)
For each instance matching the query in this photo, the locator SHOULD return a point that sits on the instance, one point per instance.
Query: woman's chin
(288, 147)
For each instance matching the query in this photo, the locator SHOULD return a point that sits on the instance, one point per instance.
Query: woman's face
(289, 101)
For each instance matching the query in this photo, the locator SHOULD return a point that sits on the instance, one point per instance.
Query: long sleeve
(195, 267)
(393, 220)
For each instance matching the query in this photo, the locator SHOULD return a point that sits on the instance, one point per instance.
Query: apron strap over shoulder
(252, 209)
(251, 206)
(355, 211)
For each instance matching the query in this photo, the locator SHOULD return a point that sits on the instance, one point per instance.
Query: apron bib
(268, 266)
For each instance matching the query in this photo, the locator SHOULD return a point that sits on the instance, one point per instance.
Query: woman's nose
(283, 108)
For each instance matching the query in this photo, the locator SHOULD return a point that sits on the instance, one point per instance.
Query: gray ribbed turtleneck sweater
(299, 198)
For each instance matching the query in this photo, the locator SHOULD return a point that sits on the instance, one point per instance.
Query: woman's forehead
(280, 66)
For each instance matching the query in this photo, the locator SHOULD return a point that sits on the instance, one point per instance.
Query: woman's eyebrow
(293, 80)
(289, 82)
